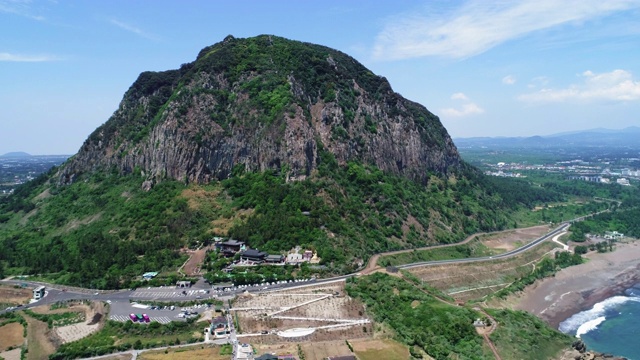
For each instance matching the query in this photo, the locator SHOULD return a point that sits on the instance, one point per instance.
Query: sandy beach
(578, 288)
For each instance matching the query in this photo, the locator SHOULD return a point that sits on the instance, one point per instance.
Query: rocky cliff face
(264, 103)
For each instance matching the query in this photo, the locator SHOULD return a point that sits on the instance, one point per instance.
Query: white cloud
(459, 96)
(7, 57)
(19, 7)
(132, 29)
(468, 108)
(479, 25)
(509, 80)
(465, 110)
(617, 85)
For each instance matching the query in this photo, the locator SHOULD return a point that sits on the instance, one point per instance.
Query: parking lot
(163, 314)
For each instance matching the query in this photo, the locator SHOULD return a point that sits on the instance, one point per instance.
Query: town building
(230, 247)
(274, 259)
(253, 255)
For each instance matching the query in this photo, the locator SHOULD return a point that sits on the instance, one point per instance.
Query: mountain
(600, 137)
(277, 143)
(262, 103)
(15, 154)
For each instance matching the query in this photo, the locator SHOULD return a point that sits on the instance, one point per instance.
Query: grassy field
(11, 335)
(476, 280)
(377, 349)
(474, 248)
(40, 347)
(196, 352)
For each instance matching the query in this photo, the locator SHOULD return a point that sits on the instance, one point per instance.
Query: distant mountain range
(599, 137)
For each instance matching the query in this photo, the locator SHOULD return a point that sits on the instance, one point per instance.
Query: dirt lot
(10, 296)
(190, 353)
(196, 257)
(475, 280)
(11, 335)
(377, 349)
(317, 306)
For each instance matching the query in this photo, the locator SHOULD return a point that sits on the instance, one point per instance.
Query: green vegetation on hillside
(419, 320)
(521, 335)
(104, 231)
(446, 331)
(122, 336)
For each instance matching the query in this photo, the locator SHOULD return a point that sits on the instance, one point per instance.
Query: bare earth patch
(11, 335)
(11, 354)
(95, 319)
(14, 296)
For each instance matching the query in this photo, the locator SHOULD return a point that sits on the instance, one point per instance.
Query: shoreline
(579, 288)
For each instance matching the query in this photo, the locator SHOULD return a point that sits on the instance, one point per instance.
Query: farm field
(476, 280)
(376, 349)
(197, 352)
(11, 335)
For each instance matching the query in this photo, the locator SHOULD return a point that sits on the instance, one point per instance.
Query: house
(274, 259)
(267, 357)
(230, 247)
(253, 255)
(219, 326)
(245, 351)
(294, 258)
(613, 235)
(307, 255)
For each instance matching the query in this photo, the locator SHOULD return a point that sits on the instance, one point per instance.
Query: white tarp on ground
(297, 332)
(139, 306)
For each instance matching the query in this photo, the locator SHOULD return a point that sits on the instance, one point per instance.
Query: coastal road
(509, 254)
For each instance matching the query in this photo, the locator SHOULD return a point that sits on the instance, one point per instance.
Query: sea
(611, 326)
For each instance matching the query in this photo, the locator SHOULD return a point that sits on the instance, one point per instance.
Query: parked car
(139, 316)
(133, 317)
(146, 317)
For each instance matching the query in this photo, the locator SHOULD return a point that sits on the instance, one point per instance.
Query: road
(509, 254)
(57, 293)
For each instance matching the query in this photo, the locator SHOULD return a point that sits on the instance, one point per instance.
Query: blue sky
(486, 68)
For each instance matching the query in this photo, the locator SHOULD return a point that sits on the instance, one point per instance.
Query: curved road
(57, 293)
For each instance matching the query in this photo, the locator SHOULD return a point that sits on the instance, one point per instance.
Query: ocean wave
(589, 325)
(572, 324)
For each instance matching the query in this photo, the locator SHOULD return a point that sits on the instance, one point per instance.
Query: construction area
(312, 313)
